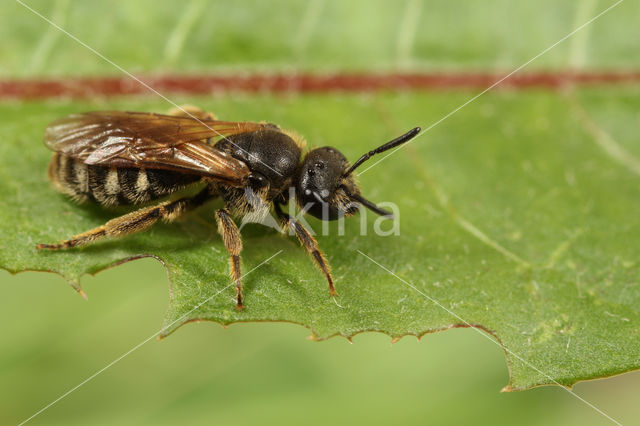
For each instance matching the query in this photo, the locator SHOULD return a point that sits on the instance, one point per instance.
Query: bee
(133, 158)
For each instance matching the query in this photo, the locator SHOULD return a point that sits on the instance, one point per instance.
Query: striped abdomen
(112, 186)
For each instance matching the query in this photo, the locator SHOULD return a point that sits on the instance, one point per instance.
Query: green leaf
(530, 235)
(518, 215)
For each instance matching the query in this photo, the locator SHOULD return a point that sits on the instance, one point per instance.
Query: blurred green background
(252, 373)
(268, 373)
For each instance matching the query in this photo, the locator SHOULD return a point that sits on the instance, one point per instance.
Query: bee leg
(233, 243)
(191, 111)
(135, 221)
(309, 243)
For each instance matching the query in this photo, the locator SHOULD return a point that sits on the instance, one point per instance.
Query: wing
(155, 141)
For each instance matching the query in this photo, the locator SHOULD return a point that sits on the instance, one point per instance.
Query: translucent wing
(155, 141)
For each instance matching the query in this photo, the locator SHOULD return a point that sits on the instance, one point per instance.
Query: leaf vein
(603, 139)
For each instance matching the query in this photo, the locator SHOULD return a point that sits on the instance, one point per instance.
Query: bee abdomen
(111, 186)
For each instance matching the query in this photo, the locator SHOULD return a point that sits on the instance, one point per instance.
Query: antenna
(391, 144)
(368, 204)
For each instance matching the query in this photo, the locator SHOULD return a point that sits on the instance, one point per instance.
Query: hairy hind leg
(135, 221)
(191, 111)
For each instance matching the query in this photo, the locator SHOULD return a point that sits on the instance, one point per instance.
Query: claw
(47, 246)
(239, 306)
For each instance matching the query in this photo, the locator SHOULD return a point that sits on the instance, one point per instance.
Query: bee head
(326, 187)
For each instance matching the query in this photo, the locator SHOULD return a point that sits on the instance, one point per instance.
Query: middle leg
(233, 243)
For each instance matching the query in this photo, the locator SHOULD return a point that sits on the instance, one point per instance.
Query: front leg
(233, 243)
(309, 243)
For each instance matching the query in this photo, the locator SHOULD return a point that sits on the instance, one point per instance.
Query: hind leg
(134, 222)
(191, 111)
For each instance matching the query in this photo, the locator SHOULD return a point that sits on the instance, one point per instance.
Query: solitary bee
(131, 158)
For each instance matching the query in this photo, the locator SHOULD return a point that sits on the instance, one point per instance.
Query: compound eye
(256, 180)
